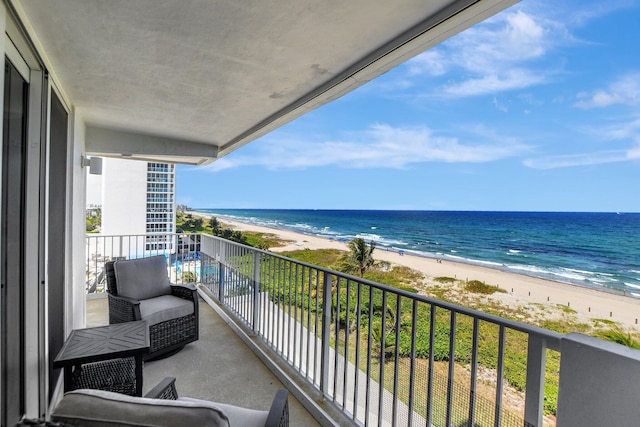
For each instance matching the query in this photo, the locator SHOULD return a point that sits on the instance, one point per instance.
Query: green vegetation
(566, 309)
(606, 322)
(360, 259)
(93, 220)
(189, 223)
(189, 277)
(619, 336)
(478, 287)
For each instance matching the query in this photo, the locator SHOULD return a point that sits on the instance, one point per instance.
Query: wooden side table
(105, 358)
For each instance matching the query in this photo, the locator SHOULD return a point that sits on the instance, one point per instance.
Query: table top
(104, 342)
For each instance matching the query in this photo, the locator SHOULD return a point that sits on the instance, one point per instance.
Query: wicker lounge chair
(139, 289)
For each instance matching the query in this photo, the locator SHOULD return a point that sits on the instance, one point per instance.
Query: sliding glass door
(12, 243)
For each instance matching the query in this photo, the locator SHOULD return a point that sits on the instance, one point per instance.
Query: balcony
(321, 333)
(234, 375)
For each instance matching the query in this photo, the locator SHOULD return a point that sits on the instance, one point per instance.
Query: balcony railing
(347, 336)
(181, 251)
(381, 355)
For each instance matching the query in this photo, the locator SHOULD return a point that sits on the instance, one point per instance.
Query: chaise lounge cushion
(97, 408)
(163, 308)
(142, 278)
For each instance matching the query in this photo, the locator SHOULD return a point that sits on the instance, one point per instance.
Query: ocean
(597, 250)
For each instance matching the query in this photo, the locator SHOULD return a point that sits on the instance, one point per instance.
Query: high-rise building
(138, 199)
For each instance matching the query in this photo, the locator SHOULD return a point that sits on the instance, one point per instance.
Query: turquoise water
(599, 250)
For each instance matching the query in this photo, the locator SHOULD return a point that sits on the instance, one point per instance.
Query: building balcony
(234, 375)
(357, 352)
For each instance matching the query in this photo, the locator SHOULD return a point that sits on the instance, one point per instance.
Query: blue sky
(535, 109)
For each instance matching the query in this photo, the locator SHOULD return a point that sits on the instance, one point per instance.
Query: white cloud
(381, 146)
(628, 130)
(491, 55)
(582, 159)
(431, 62)
(634, 153)
(509, 50)
(625, 90)
(626, 136)
(513, 79)
(499, 106)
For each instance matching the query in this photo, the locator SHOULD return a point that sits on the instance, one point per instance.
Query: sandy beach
(521, 289)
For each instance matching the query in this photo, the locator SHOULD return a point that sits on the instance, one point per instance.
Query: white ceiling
(213, 75)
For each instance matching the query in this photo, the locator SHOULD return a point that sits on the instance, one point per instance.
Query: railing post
(536, 368)
(221, 272)
(256, 290)
(326, 333)
(221, 258)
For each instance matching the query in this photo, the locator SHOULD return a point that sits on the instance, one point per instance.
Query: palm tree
(360, 258)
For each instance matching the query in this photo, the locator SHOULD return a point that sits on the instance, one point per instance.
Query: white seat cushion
(97, 408)
(165, 307)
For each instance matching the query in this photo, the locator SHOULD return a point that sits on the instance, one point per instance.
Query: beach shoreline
(521, 289)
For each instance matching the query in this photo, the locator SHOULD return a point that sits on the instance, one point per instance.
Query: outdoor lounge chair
(139, 289)
(161, 407)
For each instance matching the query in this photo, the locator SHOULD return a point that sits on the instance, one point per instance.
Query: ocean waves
(594, 250)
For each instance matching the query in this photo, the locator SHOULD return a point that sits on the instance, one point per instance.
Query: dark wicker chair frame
(165, 338)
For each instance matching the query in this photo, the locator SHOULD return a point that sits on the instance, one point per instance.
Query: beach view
(573, 300)
(574, 288)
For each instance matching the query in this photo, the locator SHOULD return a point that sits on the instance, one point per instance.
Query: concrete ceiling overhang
(191, 81)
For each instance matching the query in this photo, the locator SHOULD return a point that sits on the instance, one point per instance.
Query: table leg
(68, 378)
(139, 363)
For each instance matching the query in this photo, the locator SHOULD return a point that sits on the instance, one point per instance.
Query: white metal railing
(181, 250)
(384, 356)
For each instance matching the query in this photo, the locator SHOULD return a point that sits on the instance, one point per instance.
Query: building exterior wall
(160, 206)
(124, 193)
(138, 198)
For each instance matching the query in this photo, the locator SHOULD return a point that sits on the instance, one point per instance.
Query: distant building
(138, 198)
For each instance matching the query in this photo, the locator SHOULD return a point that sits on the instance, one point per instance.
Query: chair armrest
(123, 309)
(184, 291)
(279, 412)
(166, 389)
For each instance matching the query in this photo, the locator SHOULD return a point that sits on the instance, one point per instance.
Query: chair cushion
(165, 307)
(237, 416)
(142, 278)
(97, 408)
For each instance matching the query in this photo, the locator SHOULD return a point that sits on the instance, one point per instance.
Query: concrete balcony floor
(218, 367)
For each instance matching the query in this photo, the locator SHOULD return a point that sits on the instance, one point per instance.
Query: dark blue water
(600, 250)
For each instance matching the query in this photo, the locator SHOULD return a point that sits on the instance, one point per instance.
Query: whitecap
(491, 263)
(369, 236)
(575, 270)
(530, 269)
